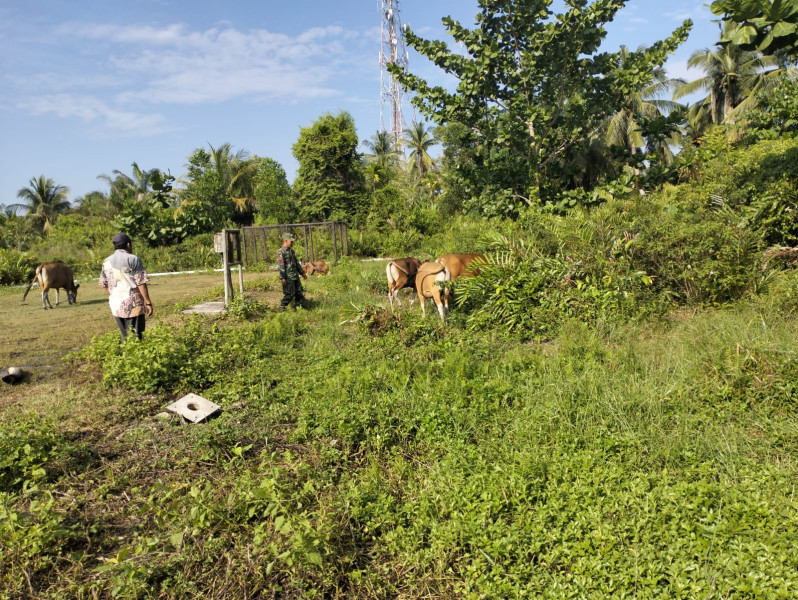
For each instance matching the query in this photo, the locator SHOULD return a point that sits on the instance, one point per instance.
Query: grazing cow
(458, 264)
(319, 266)
(428, 276)
(54, 275)
(401, 273)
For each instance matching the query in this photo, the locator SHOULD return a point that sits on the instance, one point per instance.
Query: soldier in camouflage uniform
(289, 270)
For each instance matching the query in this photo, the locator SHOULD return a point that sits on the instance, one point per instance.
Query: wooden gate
(259, 244)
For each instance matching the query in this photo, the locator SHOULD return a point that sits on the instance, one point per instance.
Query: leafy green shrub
(522, 292)
(194, 252)
(16, 267)
(25, 449)
(777, 112)
(189, 357)
(31, 536)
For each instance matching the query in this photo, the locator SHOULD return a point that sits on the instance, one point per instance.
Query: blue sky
(90, 87)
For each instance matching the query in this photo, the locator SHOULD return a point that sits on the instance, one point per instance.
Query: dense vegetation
(609, 411)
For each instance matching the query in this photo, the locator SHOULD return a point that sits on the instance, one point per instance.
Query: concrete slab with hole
(194, 408)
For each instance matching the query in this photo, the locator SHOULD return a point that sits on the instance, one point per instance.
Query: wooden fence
(255, 240)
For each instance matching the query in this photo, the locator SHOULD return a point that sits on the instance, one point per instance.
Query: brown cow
(401, 273)
(318, 266)
(54, 275)
(458, 264)
(427, 278)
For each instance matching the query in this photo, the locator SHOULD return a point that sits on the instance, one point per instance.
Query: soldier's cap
(288, 236)
(121, 239)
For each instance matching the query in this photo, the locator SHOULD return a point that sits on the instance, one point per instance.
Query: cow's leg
(57, 297)
(422, 301)
(398, 299)
(436, 298)
(46, 299)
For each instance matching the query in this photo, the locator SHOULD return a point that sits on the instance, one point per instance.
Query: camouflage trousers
(292, 290)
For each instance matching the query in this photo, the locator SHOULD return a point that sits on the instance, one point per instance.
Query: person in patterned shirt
(125, 281)
(289, 270)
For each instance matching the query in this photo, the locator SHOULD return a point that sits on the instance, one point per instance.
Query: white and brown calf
(428, 277)
(401, 273)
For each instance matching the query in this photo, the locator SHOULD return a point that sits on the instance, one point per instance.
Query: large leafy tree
(204, 200)
(769, 26)
(272, 191)
(43, 199)
(329, 181)
(531, 86)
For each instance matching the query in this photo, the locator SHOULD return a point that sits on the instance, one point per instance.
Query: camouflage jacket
(288, 266)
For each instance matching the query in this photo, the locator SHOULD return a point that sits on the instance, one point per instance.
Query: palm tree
(623, 128)
(733, 78)
(383, 149)
(125, 187)
(420, 139)
(94, 203)
(44, 200)
(235, 171)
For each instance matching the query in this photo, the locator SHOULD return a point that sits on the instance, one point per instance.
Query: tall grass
(380, 455)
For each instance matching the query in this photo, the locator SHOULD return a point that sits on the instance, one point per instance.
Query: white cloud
(177, 66)
(690, 10)
(93, 111)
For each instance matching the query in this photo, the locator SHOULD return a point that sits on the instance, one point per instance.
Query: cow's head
(73, 295)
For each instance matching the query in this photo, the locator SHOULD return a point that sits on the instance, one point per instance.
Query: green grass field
(365, 455)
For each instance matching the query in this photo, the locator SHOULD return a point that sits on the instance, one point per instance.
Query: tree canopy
(766, 25)
(329, 182)
(530, 86)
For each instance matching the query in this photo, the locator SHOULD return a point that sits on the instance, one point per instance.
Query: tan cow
(318, 266)
(458, 264)
(427, 278)
(401, 273)
(54, 275)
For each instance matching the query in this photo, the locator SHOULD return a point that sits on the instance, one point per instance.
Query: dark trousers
(292, 290)
(135, 324)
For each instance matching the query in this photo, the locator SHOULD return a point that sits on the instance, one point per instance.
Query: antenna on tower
(392, 52)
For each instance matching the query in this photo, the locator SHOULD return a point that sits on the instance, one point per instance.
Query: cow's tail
(390, 274)
(398, 266)
(30, 285)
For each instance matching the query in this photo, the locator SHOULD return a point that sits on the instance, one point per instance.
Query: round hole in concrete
(192, 406)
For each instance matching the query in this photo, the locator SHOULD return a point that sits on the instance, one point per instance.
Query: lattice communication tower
(392, 51)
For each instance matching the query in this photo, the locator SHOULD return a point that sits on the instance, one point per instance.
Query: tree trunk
(728, 102)
(533, 147)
